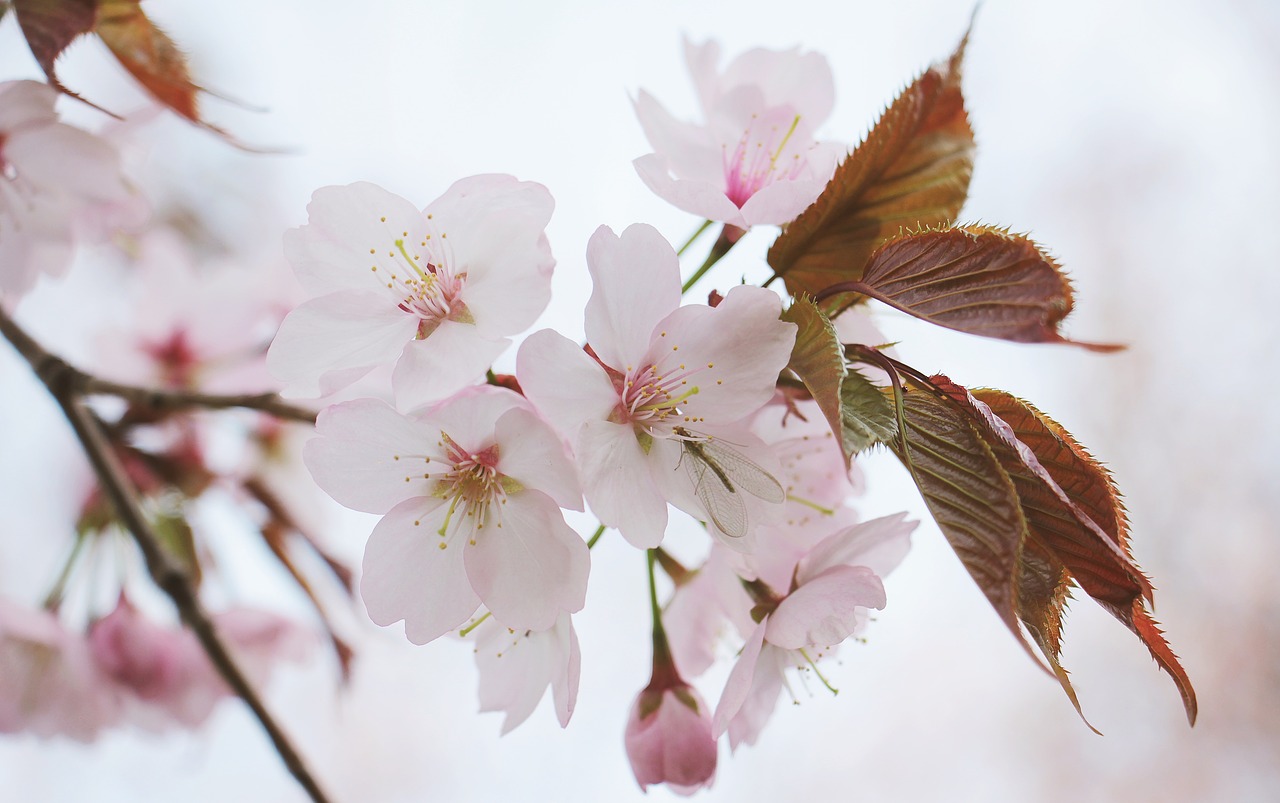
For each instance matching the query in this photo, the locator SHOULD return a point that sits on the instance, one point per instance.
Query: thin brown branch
(63, 383)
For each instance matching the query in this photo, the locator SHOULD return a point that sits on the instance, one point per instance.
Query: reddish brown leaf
(1091, 490)
(49, 26)
(912, 170)
(149, 55)
(976, 279)
(969, 494)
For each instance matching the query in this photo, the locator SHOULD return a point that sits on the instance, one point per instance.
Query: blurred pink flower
(753, 159)
(436, 292)
(516, 667)
(665, 376)
(472, 491)
(49, 684)
(58, 185)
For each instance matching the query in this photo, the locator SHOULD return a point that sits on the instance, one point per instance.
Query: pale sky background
(1135, 139)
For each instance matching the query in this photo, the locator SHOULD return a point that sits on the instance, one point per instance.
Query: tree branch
(66, 384)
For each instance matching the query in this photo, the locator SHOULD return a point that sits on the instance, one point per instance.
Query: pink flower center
(425, 287)
(472, 485)
(758, 161)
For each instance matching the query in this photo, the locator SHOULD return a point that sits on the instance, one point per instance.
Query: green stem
(591, 542)
(706, 224)
(728, 236)
(659, 633)
(54, 599)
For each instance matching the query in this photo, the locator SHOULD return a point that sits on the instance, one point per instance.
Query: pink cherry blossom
(49, 686)
(472, 491)
(161, 674)
(516, 667)
(669, 384)
(753, 160)
(705, 611)
(834, 586)
(58, 185)
(436, 292)
(669, 739)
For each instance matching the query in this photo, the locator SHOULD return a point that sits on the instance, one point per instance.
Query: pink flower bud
(669, 739)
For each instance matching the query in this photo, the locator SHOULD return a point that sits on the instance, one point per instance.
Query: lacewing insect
(718, 473)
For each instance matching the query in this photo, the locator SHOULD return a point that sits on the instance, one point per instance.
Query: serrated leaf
(149, 55)
(1044, 586)
(49, 26)
(976, 279)
(867, 417)
(912, 170)
(970, 495)
(1091, 489)
(818, 359)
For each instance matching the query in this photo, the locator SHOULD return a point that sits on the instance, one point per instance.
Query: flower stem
(54, 598)
(706, 224)
(729, 235)
(661, 650)
(591, 542)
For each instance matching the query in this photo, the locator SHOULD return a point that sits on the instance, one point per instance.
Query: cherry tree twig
(68, 386)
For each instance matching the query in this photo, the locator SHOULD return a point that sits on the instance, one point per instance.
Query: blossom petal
(563, 382)
(494, 224)
(370, 457)
(761, 698)
(617, 483)
(531, 453)
(469, 416)
(409, 576)
(449, 359)
(636, 283)
(802, 80)
(689, 151)
(526, 564)
(740, 681)
(706, 199)
(516, 668)
(733, 353)
(564, 684)
(825, 611)
(879, 544)
(349, 230)
(329, 342)
(782, 201)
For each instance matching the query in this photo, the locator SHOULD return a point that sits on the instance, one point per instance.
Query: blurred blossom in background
(1134, 139)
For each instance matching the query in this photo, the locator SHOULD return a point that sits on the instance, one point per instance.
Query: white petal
(526, 564)
(533, 455)
(469, 417)
(636, 283)
(493, 223)
(563, 382)
(879, 544)
(407, 575)
(825, 611)
(450, 358)
(369, 457)
(690, 151)
(738, 686)
(706, 199)
(617, 483)
(331, 341)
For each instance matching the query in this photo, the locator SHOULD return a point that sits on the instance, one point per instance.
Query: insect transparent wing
(743, 473)
(724, 506)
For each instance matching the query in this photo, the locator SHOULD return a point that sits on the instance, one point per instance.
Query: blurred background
(1134, 139)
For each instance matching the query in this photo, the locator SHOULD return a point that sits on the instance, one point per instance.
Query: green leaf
(818, 359)
(912, 170)
(976, 279)
(176, 537)
(866, 417)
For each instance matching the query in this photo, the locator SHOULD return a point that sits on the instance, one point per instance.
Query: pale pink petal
(706, 199)
(494, 223)
(369, 457)
(733, 352)
(825, 611)
(688, 151)
(530, 453)
(703, 61)
(802, 80)
(564, 684)
(26, 103)
(782, 201)
(636, 283)
(702, 610)
(323, 342)
(468, 417)
(526, 564)
(617, 483)
(509, 297)
(741, 678)
(879, 544)
(517, 666)
(563, 382)
(449, 359)
(350, 230)
(68, 160)
(761, 698)
(409, 576)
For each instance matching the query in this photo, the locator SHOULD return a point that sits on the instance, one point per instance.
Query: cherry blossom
(834, 585)
(472, 491)
(436, 292)
(668, 385)
(753, 160)
(58, 185)
(161, 675)
(49, 685)
(516, 667)
(669, 739)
